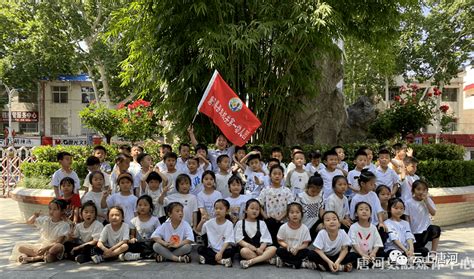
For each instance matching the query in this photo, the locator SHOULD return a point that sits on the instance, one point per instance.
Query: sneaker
(278, 262)
(97, 259)
(308, 264)
(202, 260)
(131, 256)
(227, 262)
(244, 264)
(272, 261)
(80, 259)
(121, 257)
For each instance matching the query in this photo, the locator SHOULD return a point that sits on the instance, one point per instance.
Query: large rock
(321, 118)
(359, 116)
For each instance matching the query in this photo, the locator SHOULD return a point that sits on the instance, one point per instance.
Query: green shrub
(39, 182)
(46, 169)
(447, 173)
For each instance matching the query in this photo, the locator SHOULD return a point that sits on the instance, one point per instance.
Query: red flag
(227, 111)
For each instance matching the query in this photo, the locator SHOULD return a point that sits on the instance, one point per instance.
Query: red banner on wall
(227, 111)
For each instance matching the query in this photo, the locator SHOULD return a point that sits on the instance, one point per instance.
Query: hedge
(441, 164)
(447, 173)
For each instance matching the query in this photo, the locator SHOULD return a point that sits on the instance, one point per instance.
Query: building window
(87, 94)
(472, 155)
(60, 94)
(450, 95)
(58, 126)
(28, 127)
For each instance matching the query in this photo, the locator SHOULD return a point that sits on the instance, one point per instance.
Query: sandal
(159, 259)
(184, 259)
(345, 268)
(23, 259)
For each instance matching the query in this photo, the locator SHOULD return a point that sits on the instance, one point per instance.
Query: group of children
(317, 215)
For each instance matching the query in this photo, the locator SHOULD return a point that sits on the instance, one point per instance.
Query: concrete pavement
(455, 239)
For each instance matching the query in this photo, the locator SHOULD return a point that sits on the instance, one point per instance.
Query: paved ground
(459, 239)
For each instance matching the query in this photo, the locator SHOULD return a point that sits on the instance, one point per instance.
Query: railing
(12, 158)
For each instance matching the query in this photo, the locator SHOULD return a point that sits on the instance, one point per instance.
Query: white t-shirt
(167, 233)
(214, 153)
(162, 166)
(311, 207)
(172, 181)
(90, 233)
(327, 177)
(419, 215)
(372, 167)
(128, 204)
(275, 200)
(291, 166)
(366, 238)
(207, 201)
(297, 181)
(370, 198)
(222, 184)
(95, 197)
(331, 247)
(398, 231)
(253, 189)
(294, 238)
(218, 235)
(352, 178)
(109, 237)
(406, 187)
(388, 177)
(159, 211)
(134, 168)
(343, 165)
(196, 185)
(50, 231)
(60, 174)
(144, 229)
(87, 184)
(338, 205)
(181, 165)
(237, 205)
(312, 169)
(189, 202)
(251, 230)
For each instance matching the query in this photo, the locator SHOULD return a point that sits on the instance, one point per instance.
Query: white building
(51, 115)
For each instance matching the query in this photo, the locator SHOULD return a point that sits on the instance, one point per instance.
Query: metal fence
(12, 158)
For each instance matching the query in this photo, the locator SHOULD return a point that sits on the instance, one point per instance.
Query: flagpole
(206, 92)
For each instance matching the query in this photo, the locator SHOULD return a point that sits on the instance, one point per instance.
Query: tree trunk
(94, 83)
(438, 113)
(105, 82)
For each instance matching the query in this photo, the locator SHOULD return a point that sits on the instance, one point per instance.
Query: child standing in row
(124, 199)
(408, 177)
(173, 239)
(100, 152)
(65, 160)
(297, 178)
(156, 187)
(223, 175)
(331, 159)
(73, 200)
(208, 196)
(255, 174)
(189, 202)
(314, 164)
(360, 161)
(312, 202)
(253, 237)
(96, 180)
(274, 201)
(338, 203)
(236, 200)
(195, 174)
(219, 233)
(386, 175)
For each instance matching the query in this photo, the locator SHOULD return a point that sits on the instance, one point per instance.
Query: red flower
(429, 94)
(444, 108)
(403, 88)
(120, 105)
(414, 86)
(413, 94)
(397, 98)
(125, 120)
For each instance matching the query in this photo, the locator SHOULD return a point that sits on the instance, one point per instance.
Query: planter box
(453, 205)
(32, 200)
